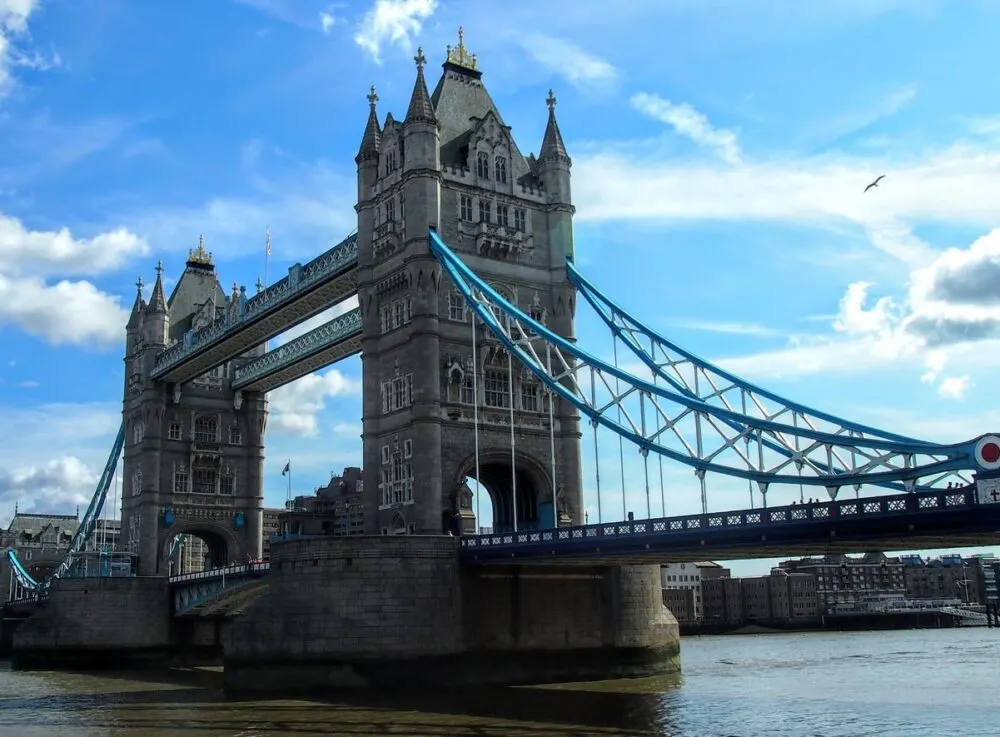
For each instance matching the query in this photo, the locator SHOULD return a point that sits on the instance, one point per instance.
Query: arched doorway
(498, 509)
(195, 548)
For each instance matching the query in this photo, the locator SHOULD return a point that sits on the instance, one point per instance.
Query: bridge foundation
(96, 623)
(378, 611)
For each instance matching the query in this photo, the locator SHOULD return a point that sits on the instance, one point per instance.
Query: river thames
(915, 683)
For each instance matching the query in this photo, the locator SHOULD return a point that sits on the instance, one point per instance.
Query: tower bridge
(463, 269)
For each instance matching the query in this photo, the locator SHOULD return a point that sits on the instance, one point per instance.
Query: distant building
(844, 583)
(270, 527)
(336, 509)
(40, 540)
(683, 577)
(947, 577)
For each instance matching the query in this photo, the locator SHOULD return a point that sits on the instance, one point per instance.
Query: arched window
(227, 481)
(206, 429)
(137, 483)
(483, 165)
(500, 170)
(398, 525)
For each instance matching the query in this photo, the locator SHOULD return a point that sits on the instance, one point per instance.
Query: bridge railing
(230, 570)
(896, 504)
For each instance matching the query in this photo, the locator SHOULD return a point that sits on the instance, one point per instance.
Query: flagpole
(288, 497)
(267, 256)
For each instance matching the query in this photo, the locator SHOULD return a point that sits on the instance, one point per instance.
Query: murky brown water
(920, 683)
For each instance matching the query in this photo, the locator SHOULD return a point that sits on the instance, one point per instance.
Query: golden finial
(460, 56)
(199, 256)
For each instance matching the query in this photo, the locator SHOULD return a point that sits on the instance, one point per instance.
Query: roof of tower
(461, 103)
(195, 293)
(157, 302)
(421, 109)
(553, 147)
(372, 139)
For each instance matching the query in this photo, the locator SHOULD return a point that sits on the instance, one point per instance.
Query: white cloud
(729, 328)
(559, 56)
(327, 21)
(14, 16)
(392, 23)
(294, 407)
(954, 387)
(66, 312)
(688, 122)
(316, 320)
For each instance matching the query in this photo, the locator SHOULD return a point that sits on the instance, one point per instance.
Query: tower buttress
(368, 155)
(554, 172)
(157, 320)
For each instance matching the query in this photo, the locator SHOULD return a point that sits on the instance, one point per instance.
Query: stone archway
(533, 489)
(219, 546)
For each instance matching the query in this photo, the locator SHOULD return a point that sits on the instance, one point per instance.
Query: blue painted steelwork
(339, 260)
(191, 591)
(84, 530)
(661, 411)
(700, 379)
(919, 516)
(337, 332)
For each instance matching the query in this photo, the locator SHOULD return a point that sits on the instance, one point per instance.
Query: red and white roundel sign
(988, 452)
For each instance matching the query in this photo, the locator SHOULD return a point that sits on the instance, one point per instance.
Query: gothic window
(391, 162)
(503, 213)
(456, 306)
(180, 480)
(174, 431)
(390, 210)
(138, 431)
(497, 388)
(529, 396)
(467, 390)
(137, 483)
(466, 208)
(397, 393)
(407, 448)
(227, 482)
(520, 219)
(396, 485)
(206, 429)
(483, 165)
(395, 314)
(484, 211)
(204, 481)
(500, 170)
(235, 436)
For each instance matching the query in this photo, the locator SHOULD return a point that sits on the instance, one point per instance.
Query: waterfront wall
(386, 610)
(97, 622)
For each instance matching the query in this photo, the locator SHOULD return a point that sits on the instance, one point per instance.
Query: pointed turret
(553, 148)
(371, 142)
(135, 318)
(157, 300)
(421, 110)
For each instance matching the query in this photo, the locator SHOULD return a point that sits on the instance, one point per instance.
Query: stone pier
(97, 623)
(384, 610)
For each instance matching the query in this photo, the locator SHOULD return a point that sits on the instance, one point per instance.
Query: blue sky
(720, 148)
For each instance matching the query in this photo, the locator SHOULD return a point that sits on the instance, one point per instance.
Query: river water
(915, 683)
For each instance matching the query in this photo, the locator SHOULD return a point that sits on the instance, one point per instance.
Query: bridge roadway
(947, 518)
(327, 280)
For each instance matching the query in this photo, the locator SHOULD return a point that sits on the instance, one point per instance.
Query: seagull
(875, 183)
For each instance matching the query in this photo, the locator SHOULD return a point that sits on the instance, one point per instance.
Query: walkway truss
(672, 405)
(31, 587)
(676, 406)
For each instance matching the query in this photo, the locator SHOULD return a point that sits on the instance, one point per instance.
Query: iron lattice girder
(699, 379)
(684, 428)
(317, 349)
(307, 290)
(86, 528)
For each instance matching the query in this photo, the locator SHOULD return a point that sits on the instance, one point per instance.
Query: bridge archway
(196, 546)
(534, 490)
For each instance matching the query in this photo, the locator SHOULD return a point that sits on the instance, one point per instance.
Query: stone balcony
(501, 241)
(386, 239)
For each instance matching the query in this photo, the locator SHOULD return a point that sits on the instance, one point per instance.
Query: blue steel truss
(84, 530)
(337, 332)
(339, 259)
(686, 426)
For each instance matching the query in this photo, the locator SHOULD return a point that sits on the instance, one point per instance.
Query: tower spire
(371, 142)
(421, 109)
(553, 148)
(157, 300)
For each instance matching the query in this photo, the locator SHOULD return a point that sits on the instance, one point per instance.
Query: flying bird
(875, 183)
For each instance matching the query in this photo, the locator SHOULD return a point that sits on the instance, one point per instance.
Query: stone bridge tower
(453, 164)
(194, 453)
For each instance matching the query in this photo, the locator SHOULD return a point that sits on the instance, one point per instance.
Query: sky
(720, 152)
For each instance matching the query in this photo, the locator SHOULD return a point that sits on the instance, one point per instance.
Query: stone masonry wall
(99, 621)
(338, 603)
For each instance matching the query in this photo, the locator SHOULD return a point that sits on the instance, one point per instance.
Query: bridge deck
(950, 518)
(322, 283)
